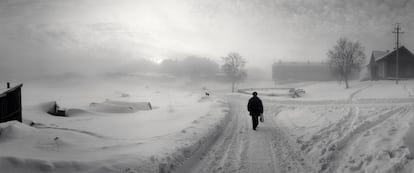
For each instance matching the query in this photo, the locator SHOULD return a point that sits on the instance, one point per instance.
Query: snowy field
(106, 131)
(366, 128)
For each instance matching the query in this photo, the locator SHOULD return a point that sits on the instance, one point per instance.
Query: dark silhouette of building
(11, 103)
(301, 71)
(382, 64)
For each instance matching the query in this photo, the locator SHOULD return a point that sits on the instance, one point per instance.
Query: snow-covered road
(240, 149)
(311, 136)
(367, 128)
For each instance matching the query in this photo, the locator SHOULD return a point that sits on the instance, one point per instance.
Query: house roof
(402, 48)
(299, 64)
(4, 90)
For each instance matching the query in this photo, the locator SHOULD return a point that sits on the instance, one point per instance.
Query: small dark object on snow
(149, 105)
(296, 92)
(207, 94)
(57, 110)
(299, 92)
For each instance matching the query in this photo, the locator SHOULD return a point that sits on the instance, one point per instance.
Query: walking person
(255, 107)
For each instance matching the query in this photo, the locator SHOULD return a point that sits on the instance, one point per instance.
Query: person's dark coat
(255, 106)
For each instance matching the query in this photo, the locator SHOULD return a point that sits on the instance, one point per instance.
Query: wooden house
(383, 65)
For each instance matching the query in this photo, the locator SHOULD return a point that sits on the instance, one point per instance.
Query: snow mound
(204, 99)
(110, 106)
(267, 91)
(15, 129)
(125, 95)
(54, 143)
(48, 107)
(75, 112)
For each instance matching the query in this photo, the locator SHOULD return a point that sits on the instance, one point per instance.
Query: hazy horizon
(48, 36)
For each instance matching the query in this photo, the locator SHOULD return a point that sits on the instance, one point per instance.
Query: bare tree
(346, 57)
(233, 67)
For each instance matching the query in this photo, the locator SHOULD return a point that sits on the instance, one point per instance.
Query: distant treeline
(192, 67)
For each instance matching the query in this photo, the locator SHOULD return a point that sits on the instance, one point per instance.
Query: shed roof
(4, 89)
(378, 54)
(392, 53)
(300, 64)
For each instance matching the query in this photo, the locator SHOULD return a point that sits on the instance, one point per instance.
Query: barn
(382, 64)
(301, 71)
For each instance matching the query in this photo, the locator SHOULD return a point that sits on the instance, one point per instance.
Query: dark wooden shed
(382, 65)
(11, 104)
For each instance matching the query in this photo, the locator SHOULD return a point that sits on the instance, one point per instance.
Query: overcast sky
(39, 33)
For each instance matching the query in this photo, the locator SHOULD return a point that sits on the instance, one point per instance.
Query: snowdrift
(110, 106)
(366, 128)
(95, 138)
(14, 130)
(48, 107)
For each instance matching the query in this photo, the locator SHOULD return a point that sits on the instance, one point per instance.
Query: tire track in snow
(240, 149)
(271, 149)
(410, 91)
(354, 110)
(292, 159)
(228, 149)
(346, 124)
(40, 126)
(341, 146)
(349, 132)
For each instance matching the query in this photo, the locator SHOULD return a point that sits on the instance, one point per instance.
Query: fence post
(8, 85)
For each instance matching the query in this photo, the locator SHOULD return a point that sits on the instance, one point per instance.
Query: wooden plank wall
(11, 104)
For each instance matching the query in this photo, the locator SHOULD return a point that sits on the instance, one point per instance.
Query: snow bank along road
(308, 136)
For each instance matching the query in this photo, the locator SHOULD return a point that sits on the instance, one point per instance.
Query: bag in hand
(261, 118)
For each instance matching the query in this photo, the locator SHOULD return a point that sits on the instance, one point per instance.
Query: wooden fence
(11, 104)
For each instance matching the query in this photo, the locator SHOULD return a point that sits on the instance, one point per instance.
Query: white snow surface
(366, 128)
(110, 138)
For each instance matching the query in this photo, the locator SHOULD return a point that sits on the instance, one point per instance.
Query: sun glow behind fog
(263, 32)
(157, 60)
(173, 29)
(80, 33)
